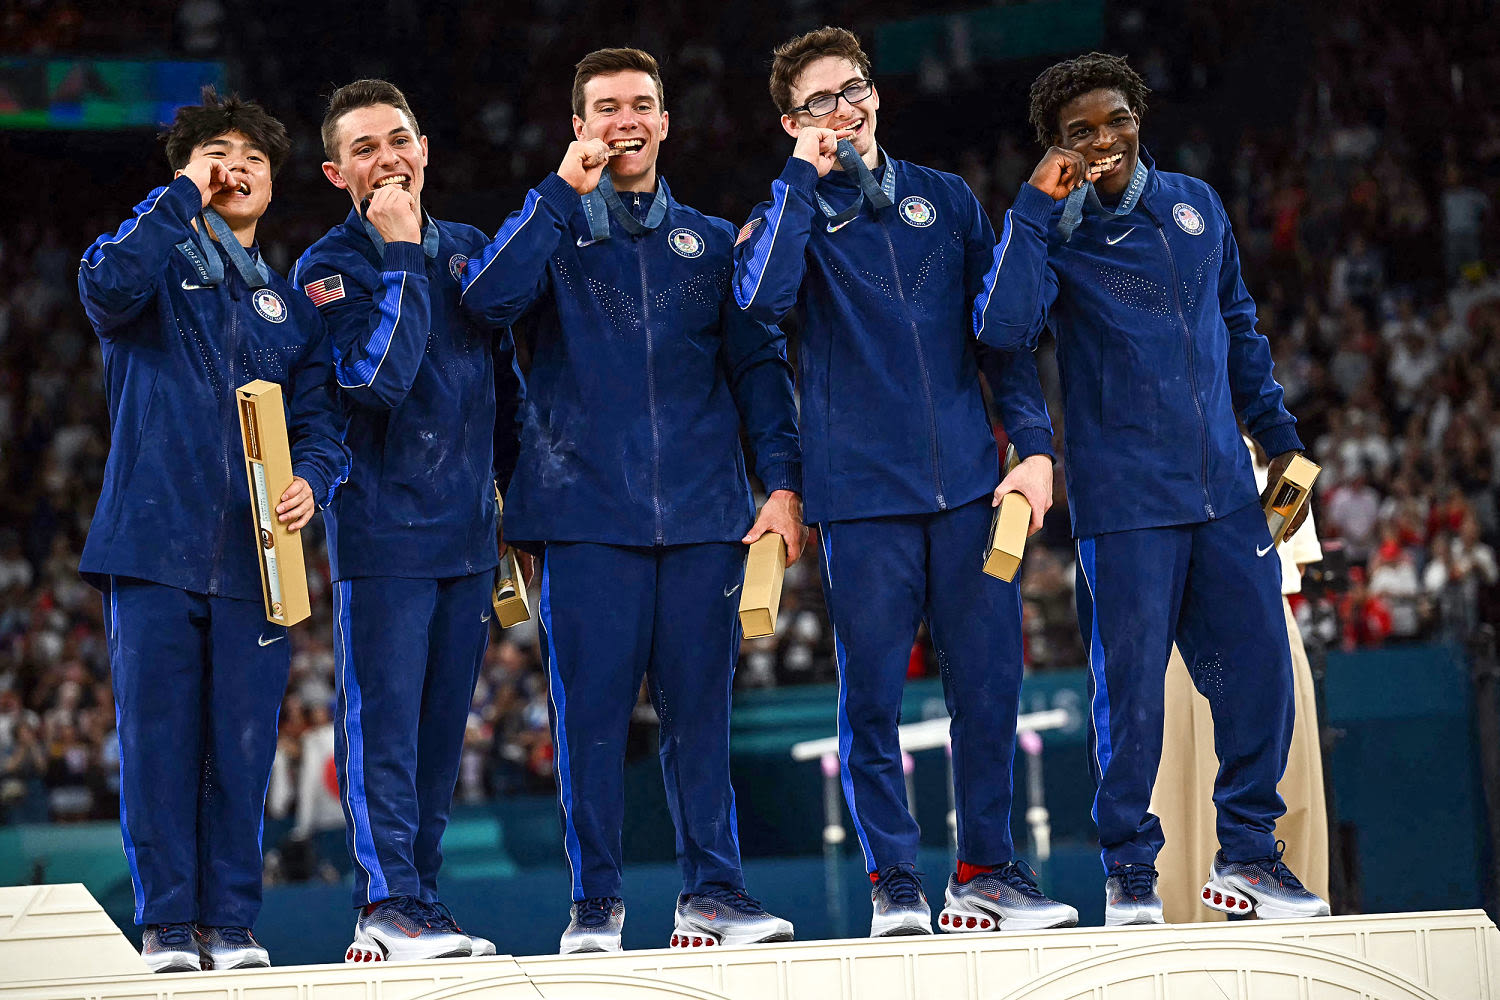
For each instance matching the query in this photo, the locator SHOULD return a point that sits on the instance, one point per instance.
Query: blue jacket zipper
(932, 434)
(231, 345)
(640, 254)
(1208, 503)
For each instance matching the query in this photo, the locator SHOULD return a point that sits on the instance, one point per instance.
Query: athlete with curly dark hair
(1136, 272)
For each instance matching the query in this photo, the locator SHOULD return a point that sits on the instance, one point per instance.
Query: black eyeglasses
(825, 104)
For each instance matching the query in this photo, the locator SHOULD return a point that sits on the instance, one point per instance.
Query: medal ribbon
(255, 272)
(880, 195)
(1085, 193)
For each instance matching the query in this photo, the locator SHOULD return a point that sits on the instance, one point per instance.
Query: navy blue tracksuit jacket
(197, 671)
(1159, 352)
(418, 383)
(1158, 348)
(412, 535)
(632, 482)
(175, 508)
(900, 465)
(626, 328)
(893, 419)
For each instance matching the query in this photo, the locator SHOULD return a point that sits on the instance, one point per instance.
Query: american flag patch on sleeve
(329, 289)
(748, 228)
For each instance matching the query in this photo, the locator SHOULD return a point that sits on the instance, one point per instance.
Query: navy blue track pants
(1214, 587)
(881, 578)
(198, 683)
(407, 654)
(611, 615)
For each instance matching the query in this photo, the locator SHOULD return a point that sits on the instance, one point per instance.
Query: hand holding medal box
(760, 599)
(1008, 530)
(268, 466)
(512, 603)
(1289, 496)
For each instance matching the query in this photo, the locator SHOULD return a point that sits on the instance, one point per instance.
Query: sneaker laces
(446, 920)
(736, 899)
(595, 911)
(236, 937)
(417, 911)
(178, 935)
(1020, 878)
(1274, 867)
(1138, 881)
(901, 885)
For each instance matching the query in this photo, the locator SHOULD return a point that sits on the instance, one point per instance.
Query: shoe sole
(175, 967)
(1134, 920)
(696, 937)
(361, 952)
(905, 930)
(978, 920)
(1232, 896)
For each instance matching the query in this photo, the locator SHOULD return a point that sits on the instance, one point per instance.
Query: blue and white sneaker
(1265, 887)
(899, 904)
(224, 948)
(478, 947)
(404, 929)
(170, 948)
(1130, 896)
(725, 917)
(595, 925)
(1005, 899)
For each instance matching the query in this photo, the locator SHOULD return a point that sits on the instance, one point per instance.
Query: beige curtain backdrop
(1183, 796)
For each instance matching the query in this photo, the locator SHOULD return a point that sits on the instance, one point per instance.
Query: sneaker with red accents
(725, 917)
(1001, 899)
(1130, 896)
(1265, 887)
(404, 929)
(899, 904)
(595, 925)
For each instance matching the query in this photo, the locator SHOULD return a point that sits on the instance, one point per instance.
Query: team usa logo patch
(746, 230)
(269, 305)
(326, 290)
(918, 212)
(1187, 218)
(686, 242)
(456, 267)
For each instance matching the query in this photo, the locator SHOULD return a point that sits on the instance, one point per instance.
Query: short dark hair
(602, 62)
(790, 58)
(1062, 82)
(195, 124)
(356, 95)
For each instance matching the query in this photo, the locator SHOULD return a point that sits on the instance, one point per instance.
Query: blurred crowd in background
(1363, 186)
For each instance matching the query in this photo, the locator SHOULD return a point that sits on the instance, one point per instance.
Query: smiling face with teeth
(830, 75)
(1101, 126)
(250, 166)
(624, 109)
(378, 146)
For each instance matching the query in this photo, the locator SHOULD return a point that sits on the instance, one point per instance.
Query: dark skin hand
(1273, 476)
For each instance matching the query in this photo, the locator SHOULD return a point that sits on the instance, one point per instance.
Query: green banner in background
(991, 34)
(84, 93)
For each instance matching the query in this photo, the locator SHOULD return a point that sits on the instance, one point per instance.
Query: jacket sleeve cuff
(184, 197)
(402, 256)
(559, 194)
(782, 476)
(316, 482)
(1033, 441)
(800, 175)
(1033, 206)
(1280, 439)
